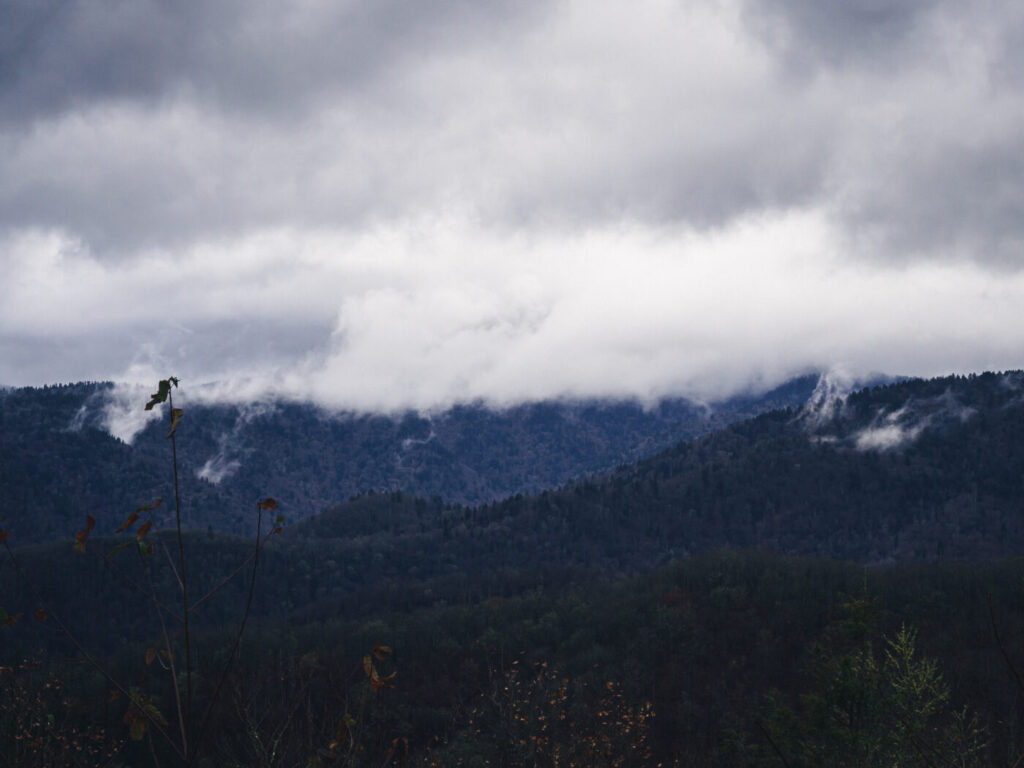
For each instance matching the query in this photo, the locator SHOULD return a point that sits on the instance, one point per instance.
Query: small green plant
(873, 704)
(143, 716)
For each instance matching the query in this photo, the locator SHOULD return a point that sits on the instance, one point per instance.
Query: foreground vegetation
(725, 659)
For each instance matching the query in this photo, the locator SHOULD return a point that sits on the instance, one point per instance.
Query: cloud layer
(390, 204)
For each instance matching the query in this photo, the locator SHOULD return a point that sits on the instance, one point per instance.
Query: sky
(389, 204)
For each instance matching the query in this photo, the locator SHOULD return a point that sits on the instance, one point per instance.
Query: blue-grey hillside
(58, 463)
(917, 471)
(910, 472)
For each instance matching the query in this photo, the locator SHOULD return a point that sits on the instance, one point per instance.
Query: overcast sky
(388, 203)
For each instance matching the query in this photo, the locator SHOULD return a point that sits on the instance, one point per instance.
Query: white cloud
(121, 415)
(457, 313)
(887, 437)
(887, 429)
(377, 206)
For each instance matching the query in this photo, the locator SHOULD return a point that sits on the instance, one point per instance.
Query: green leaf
(160, 396)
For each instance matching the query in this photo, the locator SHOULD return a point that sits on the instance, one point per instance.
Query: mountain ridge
(769, 483)
(57, 462)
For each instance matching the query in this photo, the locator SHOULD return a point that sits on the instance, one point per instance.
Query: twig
(1002, 648)
(150, 595)
(182, 578)
(774, 746)
(170, 660)
(241, 629)
(217, 587)
(152, 750)
(174, 569)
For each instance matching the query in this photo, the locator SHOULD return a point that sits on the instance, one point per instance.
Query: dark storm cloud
(59, 55)
(876, 34)
(703, 182)
(966, 202)
(928, 164)
(156, 124)
(153, 124)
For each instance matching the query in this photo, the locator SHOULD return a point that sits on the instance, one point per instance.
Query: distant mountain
(58, 462)
(914, 471)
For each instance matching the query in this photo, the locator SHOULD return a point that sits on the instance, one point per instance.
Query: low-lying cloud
(890, 433)
(228, 457)
(452, 315)
(889, 428)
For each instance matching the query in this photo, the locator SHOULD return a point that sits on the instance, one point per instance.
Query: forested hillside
(57, 460)
(947, 484)
(797, 482)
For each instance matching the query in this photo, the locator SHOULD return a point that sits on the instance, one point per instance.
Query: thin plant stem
(170, 661)
(174, 568)
(241, 629)
(774, 746)
(219, 585)
(183, 579)
(1002, 648)
(152, 750)
(149, 595)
